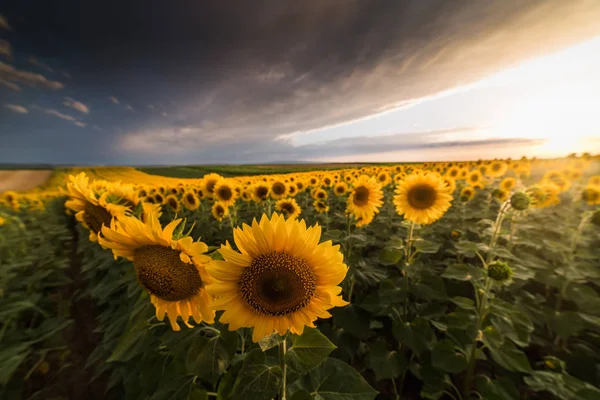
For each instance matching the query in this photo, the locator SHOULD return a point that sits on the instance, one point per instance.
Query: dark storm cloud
(240, 74)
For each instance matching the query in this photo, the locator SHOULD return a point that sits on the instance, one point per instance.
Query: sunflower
(508, 184)
(279, 189)
(451, 183)
(208, 184)
(557, 178)
(313, 181)
(384, 178)
(260, 192)
(300, 186)
(190, 200)
(474, 177)
(321, 206)
(497, 169)
(159, 198)
(327, 180)
(171, 270)
(340, 188)
(591, 194)
(281, 279)
(453, 172)
(92, 212)
(288, 207)
(467, 193)
(594, 180)
(422, 198)
(500, 194)
(245, 195)
(544, 195)
(365, 199)
(173, 203)
(219, 211)
(224, 192)
(319, 194)
(292, 190)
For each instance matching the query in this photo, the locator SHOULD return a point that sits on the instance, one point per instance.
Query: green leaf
(417, 335)
(386, 364)
(501, 389)
(462, 272)
(427, 247)
(209, 358)
(308, 351)
(567, 323)
(510, 357)
(352, 319)
(445, 357)
(463, 302)
(256, 379)
(178, 389)
(390, 256)
(336, 380)
(10, 359)
(132, 343)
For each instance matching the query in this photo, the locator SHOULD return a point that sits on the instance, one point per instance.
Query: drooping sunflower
(91, 211)
(340, 188)
(422, 198)
(171, 270)
(280, 279)
(365, 198)
(190, 200)
(208, 184)
(219, 211)
(288, 207)
(508, 184)
(279, 189)
(225, 193)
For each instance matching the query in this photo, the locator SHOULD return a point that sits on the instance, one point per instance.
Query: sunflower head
(508, 184)
(280, 279)
(364, 200)
(279, 189)
(474, 177)
(172, 202)
(499, 194)
(190, 200)
(500, 271)
(520, 201)
(208, 183)
(225, 192)
(340, 188)
(422, 198)
(219, 211)
(171, 270)
(591, 194)
(467, 193)
(321, 206)
(288, 207)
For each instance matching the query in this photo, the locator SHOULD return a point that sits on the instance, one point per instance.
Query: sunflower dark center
(474, 178)
(95, 217)
(277, 284)
(160, 271)
(191, 199)
(339, 189)
(496, 167)
(225, 193)
(382, 178)
(173, 203)
(421, 196)
(262, 192)
(278, 188)
(361, 196)
(219, 210)
(288, 208)
(453, 173)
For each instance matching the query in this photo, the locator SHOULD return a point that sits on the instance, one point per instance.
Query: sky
(211, 82)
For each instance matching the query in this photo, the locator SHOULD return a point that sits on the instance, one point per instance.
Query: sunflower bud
(596, 217)
(520, 201)
(500, 271)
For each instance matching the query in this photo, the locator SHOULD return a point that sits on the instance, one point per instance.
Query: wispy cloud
(114, 100)
(58, 114)
(10, 73)
(17, 108)
(128, 107)
(10, 85)
(5, 49)
(76, 105)
(34, 61)
(4, 23)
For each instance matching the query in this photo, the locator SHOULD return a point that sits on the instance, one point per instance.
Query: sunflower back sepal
(268, 342)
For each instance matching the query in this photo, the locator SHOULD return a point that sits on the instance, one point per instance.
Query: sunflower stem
(284, 369)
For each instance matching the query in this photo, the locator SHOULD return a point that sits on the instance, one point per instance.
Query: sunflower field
(439, 280)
